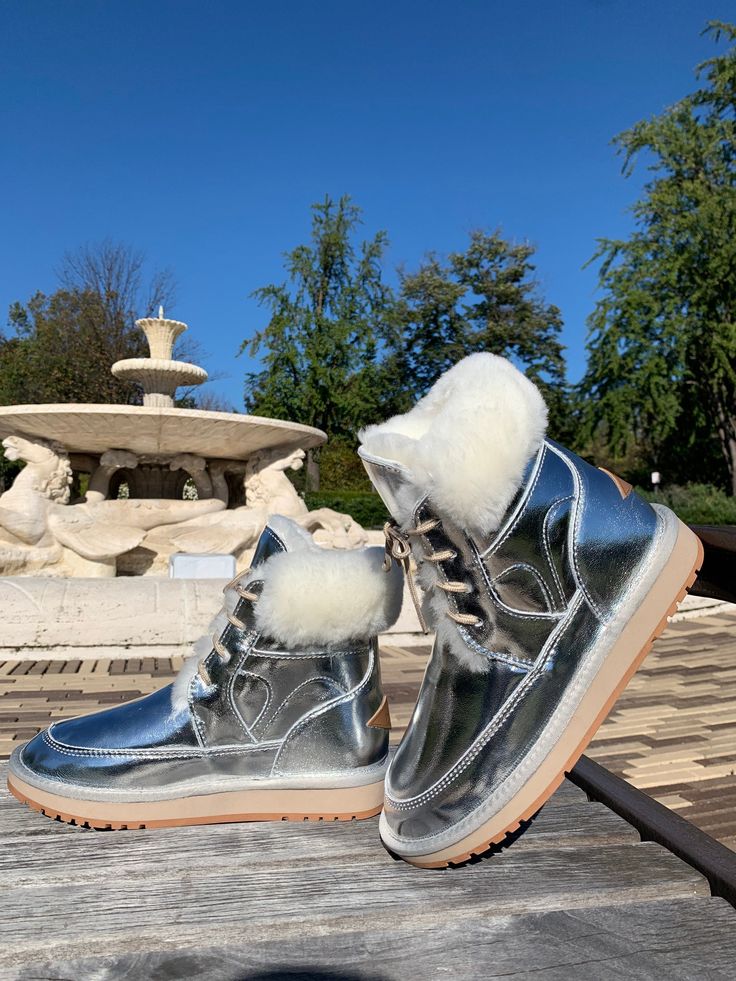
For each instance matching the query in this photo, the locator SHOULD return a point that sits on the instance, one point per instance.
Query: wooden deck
(577, 896)
(672, 732)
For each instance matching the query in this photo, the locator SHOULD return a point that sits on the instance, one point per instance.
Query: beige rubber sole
(340, 804)
(625, 657)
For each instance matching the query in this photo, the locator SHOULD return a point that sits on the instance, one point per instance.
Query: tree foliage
(62, 345)
(320, 347)
(483, 299)
(341, 349)
(660, 386)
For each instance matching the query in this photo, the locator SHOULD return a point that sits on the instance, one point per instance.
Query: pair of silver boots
(546, 581)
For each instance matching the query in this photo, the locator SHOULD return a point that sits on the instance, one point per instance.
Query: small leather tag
(382, 718)
(624, 488)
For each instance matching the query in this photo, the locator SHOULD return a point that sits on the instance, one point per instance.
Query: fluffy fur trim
(295, 539)
(466, 444)
(317, 596)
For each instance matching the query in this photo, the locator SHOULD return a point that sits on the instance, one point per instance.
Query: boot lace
(398, 549)
(234, 588)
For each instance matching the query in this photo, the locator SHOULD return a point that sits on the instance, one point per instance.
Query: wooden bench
(578, 895)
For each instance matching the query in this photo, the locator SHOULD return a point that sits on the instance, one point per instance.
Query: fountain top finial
(161, 334)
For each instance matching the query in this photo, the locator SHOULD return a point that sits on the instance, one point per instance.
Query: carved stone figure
(40, 530)
(235, 531)
(266, 483)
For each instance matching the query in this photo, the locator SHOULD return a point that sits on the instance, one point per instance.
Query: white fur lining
(317, 596)
(467, 442)
(311, 596)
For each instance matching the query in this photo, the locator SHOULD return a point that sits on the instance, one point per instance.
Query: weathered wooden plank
(157, 905)
(673, 939)
(37, 850)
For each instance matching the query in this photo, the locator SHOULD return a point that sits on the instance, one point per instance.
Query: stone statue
(267, 491)
(266, 483)
(39, 530)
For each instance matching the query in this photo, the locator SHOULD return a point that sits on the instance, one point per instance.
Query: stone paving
(672, 733)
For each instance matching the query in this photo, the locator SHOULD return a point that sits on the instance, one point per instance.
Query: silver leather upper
(267, 712)
(544, 587)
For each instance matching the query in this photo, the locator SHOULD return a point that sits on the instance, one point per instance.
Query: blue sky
(200, 133)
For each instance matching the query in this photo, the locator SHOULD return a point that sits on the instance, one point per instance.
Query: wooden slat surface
(672, 732)
(669, 940)
(231, 900)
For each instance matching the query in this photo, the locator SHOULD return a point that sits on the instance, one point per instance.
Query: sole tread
(82, 822)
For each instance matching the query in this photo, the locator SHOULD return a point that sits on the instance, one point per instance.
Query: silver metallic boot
(281, 716)
(547, 581)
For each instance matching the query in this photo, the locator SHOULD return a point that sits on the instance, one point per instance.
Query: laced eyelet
(218, 647)
(465, 619)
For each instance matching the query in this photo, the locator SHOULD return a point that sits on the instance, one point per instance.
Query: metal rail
(655, 822)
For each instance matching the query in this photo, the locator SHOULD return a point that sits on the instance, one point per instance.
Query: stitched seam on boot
(269, 695)
(577, 521)
(469, 756)
(158, 754)
(537, 575)
(250, 639)
(514, 662)
(309, 655)
(496, 544)
(287, 701)
(305, 720)
(548, 548)
(495, 598)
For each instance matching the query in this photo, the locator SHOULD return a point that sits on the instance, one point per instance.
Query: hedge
(367, 509)
(696, 504)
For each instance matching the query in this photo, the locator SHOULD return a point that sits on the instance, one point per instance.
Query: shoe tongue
(396, 485)
(280, 535)
(268, 544)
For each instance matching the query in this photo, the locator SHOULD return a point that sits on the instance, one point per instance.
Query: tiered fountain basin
(92, 429)
(159, 378)
(112, 490)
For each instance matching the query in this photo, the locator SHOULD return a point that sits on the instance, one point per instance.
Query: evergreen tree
(483, 299)
(660, 386)
(321, 348)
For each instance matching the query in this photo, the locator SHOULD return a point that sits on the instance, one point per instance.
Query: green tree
(62, 344)
(660, 385)
(483, 299)
(321, 347)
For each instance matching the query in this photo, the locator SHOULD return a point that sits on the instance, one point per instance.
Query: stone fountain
(158, 479)
(159, 376)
